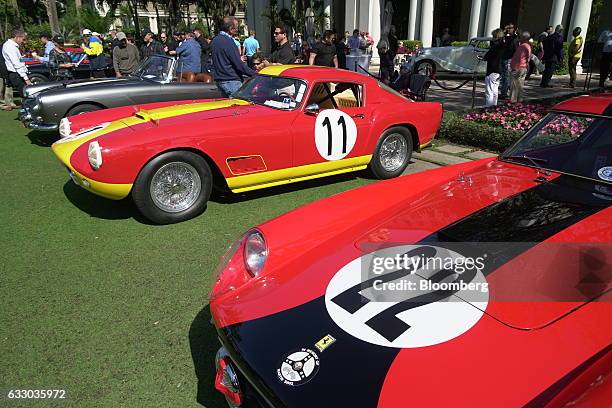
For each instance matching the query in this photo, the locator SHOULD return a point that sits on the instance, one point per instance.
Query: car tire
(83, 108)
(38, 78)
(425, 67)
(392, 154)
(177, 173)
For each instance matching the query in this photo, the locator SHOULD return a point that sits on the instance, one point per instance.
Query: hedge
(410, 44)
(455, 129)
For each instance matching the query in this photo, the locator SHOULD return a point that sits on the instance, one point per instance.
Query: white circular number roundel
(401, 307)
(335, 134)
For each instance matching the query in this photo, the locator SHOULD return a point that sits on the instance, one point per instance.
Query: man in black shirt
(283, 53)
(167, 43)
(151, 46)
(324, 53)
(510, 42)
(494, 67)
(553, 55)
(206, 50)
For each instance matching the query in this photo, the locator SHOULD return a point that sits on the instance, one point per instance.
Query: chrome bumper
(34, 123)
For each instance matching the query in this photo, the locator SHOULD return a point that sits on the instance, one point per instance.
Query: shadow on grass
(101, 207)
(225, 197)
(204, 345)
(43, 139)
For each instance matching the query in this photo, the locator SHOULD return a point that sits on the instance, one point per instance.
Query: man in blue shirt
(49, 46)
(228, 67)
(251, 46)
(189, 53)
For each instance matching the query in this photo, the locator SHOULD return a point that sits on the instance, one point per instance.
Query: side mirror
(312, 109)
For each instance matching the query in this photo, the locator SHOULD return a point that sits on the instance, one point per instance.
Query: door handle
(359, 115)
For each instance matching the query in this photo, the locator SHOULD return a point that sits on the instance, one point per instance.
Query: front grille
(28, 103)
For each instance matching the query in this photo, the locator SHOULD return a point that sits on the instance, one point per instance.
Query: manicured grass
(99, 303)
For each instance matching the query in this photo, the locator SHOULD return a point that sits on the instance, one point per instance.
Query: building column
(375, 29)
(427, 17)
(493, 21)
(327, 9)
(581, 14)
(475, 19)
(412, 19)
(556, 13)
(256, 22)
(153, 24)
(350, 15)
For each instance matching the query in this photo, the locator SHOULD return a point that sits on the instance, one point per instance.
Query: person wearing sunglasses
(283, 53)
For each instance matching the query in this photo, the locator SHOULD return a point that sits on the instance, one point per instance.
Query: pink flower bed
(516, 116)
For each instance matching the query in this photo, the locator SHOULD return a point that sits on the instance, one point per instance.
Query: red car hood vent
(542, 247)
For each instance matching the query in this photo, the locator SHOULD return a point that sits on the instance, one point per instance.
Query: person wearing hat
(92, 46)
(60, 63)
(151, 46)
(125, 56)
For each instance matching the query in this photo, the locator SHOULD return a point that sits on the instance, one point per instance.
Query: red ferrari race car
(484, 284)
(288, 124)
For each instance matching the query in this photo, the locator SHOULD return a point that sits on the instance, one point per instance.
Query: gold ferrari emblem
(325, 342)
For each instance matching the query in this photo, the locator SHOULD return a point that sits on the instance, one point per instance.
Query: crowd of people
(510, 60)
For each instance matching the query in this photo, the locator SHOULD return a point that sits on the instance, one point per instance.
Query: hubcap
(393, 152)
(425, 68)
(175, 187)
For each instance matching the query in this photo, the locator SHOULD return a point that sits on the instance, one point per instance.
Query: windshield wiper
(532, 160)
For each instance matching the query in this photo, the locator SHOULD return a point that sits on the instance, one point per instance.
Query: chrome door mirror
(312, 109)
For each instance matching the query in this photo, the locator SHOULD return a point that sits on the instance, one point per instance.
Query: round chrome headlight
(94, 154)
(64, 127)
(255, 252)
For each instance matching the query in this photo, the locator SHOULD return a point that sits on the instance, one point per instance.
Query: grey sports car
(156, 80)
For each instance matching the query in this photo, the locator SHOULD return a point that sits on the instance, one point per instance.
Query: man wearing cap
(17, 70)
(92, 46)
(125, 56)
(151, 46)
(60, 63)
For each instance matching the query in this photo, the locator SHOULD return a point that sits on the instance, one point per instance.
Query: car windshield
(568, 143)
(273, 91)
(156, 68)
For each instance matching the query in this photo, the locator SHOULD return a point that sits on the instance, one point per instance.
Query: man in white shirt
(17, 70)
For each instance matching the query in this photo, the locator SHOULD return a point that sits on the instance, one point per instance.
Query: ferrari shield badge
(298, 367)
(325, 342)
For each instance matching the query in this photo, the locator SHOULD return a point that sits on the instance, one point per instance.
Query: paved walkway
(441, 154)
(461, 99)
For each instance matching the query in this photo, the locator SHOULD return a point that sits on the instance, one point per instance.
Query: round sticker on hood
(605, 173)
(298, 368)
(408, 296)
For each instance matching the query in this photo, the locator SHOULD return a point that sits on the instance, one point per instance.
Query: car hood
(89, 84)
(527, 231)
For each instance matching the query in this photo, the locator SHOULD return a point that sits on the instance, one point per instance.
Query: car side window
(337, 95)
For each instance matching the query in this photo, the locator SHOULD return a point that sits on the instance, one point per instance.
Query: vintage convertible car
(288, 124)
(156, 80)
(484, 284)
(454, 61)
(39, 72)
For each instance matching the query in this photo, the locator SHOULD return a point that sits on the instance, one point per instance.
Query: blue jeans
(228, 88)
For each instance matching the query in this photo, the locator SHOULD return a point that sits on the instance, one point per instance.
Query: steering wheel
(286, 95)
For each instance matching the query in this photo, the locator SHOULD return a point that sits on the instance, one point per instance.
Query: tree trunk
(52, 14)
(159, 22)
(78, 4)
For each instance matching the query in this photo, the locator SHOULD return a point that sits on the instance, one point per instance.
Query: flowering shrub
(514, 116)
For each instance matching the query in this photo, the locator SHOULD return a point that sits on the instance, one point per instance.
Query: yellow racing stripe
(276, 70)
(266, 179)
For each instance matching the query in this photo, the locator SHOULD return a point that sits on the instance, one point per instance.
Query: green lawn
(99, 303)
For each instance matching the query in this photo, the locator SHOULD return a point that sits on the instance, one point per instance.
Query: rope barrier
(450, 89)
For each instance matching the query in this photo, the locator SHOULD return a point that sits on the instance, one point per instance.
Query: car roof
(312, 72)
(597, 104)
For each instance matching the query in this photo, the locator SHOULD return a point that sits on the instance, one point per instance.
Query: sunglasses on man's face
(278, 33)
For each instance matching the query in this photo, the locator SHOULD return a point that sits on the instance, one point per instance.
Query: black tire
(152, 207)
(425, 67)
(83, 108)
(38, 78)
(389, 136)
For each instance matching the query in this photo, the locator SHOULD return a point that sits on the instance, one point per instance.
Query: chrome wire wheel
(175, 187)
(393, 152)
